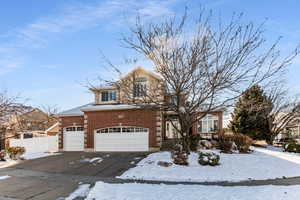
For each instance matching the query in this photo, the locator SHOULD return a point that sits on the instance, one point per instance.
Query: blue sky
(48, 48)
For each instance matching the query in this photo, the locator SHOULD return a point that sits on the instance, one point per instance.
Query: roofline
(127, 107)
(69, 115)
(51, 127)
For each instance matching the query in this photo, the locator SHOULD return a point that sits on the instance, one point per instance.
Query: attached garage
(73, 138)
(122, 138)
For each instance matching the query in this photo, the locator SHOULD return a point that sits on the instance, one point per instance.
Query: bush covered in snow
(209, 158)
(292, 147)
(179, 156)
(15, 152)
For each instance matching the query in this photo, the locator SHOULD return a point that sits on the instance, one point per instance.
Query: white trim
(51, 127)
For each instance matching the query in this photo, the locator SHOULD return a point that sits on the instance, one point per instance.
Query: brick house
(111, 124)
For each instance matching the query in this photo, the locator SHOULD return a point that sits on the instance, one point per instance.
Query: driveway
(55, 177)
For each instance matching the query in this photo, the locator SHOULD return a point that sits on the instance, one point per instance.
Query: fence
(37, 144)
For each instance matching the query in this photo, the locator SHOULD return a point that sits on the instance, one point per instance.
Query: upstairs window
(108, 96)
(140, 87)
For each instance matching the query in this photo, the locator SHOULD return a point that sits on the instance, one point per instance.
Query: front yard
(261, 164)
(134, 191)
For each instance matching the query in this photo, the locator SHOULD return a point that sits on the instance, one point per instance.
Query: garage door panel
(137, 141)
(74, 141)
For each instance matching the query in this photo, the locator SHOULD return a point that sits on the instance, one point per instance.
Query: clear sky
(48, 48)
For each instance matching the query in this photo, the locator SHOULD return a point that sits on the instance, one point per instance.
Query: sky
(50, 48)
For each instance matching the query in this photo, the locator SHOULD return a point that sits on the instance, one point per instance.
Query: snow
(81, 191)
(260, 165)
(108, 107)
(4, 177)
(26, 156)
(29, 156)
(91, 160)
(135, 191)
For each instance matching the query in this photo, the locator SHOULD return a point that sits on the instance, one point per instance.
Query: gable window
(140, 87)
(108, 96)
(208, 124)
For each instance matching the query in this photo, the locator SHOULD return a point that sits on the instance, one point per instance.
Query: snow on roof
(74, 111)
(78, 111)
(108, 107)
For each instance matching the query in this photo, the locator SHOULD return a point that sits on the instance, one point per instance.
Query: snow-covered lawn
(259, 165)
(135, 191)
(81, 191)
(26, 156)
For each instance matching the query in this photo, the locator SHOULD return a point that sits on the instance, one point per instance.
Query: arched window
(122, 129)
(208, 124)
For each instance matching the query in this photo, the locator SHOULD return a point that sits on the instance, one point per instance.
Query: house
(291, 130)
(110, 123)
(32, 123)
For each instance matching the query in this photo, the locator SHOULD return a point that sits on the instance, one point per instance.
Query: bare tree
(283, 110)
(9, 106)
(203, 67)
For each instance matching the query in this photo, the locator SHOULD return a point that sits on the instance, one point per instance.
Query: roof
(109, 107)
(79, 111)
(51, 127)
(74, 111)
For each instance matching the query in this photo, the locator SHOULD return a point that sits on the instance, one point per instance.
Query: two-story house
(112, 123)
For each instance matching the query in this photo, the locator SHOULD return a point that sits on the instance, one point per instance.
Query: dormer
(105, 95)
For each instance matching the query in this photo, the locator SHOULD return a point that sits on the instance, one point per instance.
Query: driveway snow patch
(81, 191)
(135, 191)
(259, 165)
(4, 177)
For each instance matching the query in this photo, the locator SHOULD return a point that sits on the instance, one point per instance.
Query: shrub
(243, 142)
(179, 156)
(226, 143)
(15, 152)
(194, 142)
(211, 159)
(292, 147)
(2, 155)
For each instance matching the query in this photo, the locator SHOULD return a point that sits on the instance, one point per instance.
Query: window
(174, 100)
(74, 128)
(140, 87)
(208, 124)
(124, 129)
(108, 96)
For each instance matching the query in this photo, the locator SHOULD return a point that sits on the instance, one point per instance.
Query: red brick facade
(102, 119)
(94, 120)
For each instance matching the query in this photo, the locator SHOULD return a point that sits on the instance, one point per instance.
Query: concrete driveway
(55, 177)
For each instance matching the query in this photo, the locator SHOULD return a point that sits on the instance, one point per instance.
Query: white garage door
(122, 139)
(74, 138)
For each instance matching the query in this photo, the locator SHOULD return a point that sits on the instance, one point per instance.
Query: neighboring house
(111, 124)
(291, 130)
(33, 123)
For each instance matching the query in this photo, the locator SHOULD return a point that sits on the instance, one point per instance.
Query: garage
(74, 138)
(122, 138)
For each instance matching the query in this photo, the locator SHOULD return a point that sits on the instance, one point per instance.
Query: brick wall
(101, 119)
